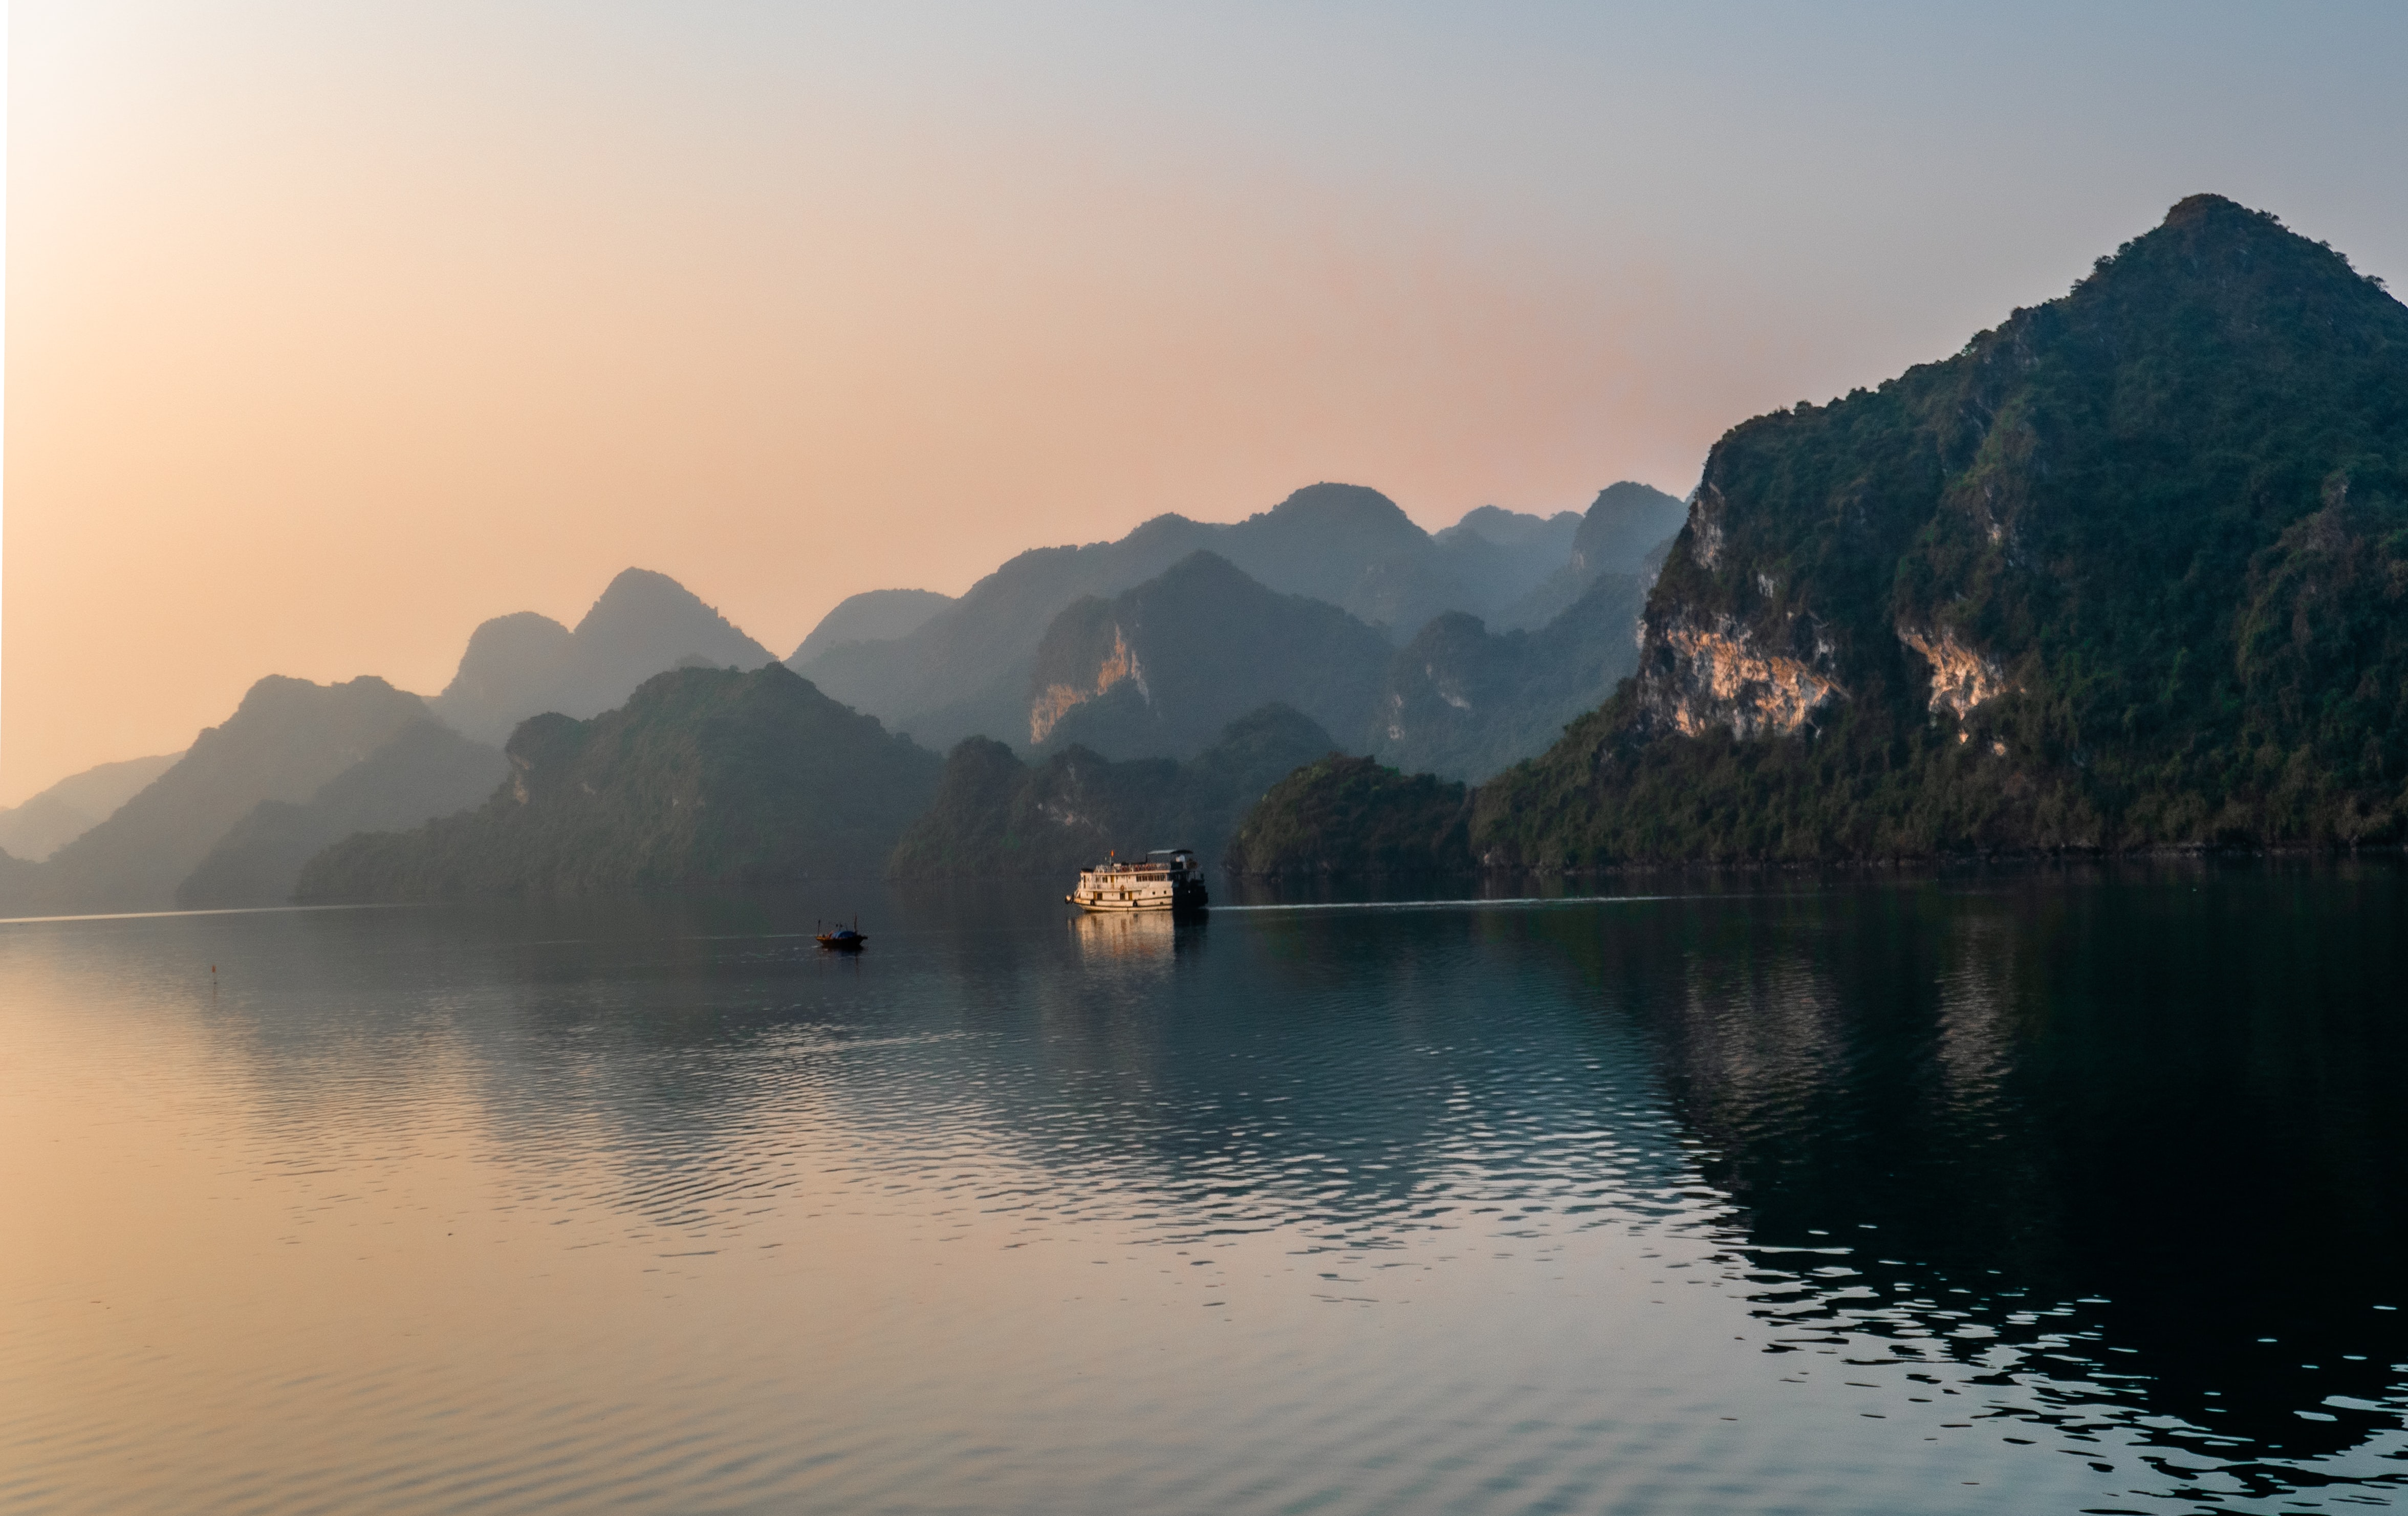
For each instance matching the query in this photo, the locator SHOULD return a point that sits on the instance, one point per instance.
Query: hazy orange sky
(333, 331)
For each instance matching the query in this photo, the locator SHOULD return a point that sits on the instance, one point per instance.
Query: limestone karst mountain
(67, 811)
(704, 777)
(1158, 670)
(522, 665)
(421, 772)
(286, 739)
(2129, 571)
(966, 670)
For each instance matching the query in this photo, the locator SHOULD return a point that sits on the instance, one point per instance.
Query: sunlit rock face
(1962, 679)
(2125, 572)
(1698, 675)
(1706, 512)
(1056, 700)
(1158, 670)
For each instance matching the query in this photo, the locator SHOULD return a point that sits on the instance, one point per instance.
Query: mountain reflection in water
(1860, 1198)
(2139, 1148)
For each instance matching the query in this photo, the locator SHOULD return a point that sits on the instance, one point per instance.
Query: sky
(334, 330)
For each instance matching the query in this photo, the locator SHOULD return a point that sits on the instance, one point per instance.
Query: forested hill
(706, 776)
(2129, 570)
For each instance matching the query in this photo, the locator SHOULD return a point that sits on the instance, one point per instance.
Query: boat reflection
(1139, 936)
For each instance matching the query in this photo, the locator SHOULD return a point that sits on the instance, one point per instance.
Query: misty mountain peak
(1353, 508)
(645, 623)
(1623, 525)
(1511, 528)
(643, 606)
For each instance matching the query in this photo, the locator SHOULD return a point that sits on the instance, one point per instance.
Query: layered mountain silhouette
(67, 811)
(285, 741)
(968, 668)
(2129, 571)
(704, 776)
(523, 665)
(424, 770)
(1463, 703)
(872, 616)
(1625, 531)
(995, 816)
(1157, 671)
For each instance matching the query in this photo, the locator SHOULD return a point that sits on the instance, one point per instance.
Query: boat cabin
(1167, 879)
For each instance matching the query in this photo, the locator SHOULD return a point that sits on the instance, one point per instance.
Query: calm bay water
(2009, 1193)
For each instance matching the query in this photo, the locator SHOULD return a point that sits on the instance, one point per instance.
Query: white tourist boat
(1168, 879)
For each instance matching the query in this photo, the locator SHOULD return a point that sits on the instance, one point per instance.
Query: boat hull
(1110, 906)
(1117, 888)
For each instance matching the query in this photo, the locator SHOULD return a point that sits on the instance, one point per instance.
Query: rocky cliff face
(1158, 670)
(1115, 664)
(2130, 570)
(1702, 673)
(1962, 679)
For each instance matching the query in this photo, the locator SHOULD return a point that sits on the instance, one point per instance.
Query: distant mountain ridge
(704, 777)
(1158, 670)
(422, 771)
(525, 663)
(1465, 703)
(966, 670)
(871, 616)
(1625, 531)
(47, 822)
(286, 739)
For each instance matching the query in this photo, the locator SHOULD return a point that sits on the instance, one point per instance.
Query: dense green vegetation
(996, 816)
(2171, 513)
(1342, 815)
(704, 776)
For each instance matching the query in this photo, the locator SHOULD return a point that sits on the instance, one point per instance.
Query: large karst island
(2127, 572)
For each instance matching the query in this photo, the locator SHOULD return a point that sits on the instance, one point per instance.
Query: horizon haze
(334, 335)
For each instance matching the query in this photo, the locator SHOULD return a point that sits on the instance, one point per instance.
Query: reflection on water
(1146, 935)
(2005, 1194)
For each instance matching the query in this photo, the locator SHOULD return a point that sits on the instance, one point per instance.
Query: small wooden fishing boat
(844, 938)
(1170, 879)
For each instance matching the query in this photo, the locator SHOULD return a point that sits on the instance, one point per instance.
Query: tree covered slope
(706, 776)
(996, 817)
(2129, 570)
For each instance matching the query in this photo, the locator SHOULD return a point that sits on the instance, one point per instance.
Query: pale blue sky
(335, 329)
